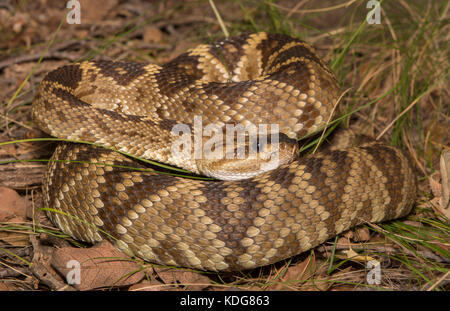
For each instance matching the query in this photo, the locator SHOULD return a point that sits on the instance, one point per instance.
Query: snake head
(254, 156)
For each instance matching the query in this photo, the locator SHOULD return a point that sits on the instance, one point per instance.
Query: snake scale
(218, 225)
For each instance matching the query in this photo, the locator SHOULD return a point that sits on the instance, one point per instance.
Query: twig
(439, 281)
(10, 271)
(53, 53)
(295, 8)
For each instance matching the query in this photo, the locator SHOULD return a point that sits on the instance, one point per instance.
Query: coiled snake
(210, 224)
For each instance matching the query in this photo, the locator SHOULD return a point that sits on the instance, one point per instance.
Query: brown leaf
(13, 209)
(440, 186)
(347, 235)
(435, 186)
(99, 266)
(357, 235)
(445, 173)
(344, 241)
(301, 271)
(361, 235)
(297, 274)
(354, 256)
(95, 11)
(7, 150)
(192, 280)
(12, 205)
(152, 34)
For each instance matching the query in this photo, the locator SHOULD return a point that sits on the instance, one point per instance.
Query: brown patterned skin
(132, 107)
(209, 225)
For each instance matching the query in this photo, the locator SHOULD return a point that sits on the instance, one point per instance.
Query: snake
(246, 215)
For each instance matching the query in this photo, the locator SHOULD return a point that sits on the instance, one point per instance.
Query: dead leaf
(296, 275)
(13, 210)
(12, 205)
(351, 254)
(445, 173)
(192, 280)
(95, 11)
(362, 234)
(347, 235)
(357, 235)
(301, 271)
(152, 34)
(344, 241)
(7, 150)
(99, 266)
(18, 22)
(440, 187)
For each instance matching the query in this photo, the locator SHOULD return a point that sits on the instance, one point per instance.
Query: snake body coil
(210, 225)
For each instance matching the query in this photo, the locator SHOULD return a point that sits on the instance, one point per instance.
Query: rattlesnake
(208, 224)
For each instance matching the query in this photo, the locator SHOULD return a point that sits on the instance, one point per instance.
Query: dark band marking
(68, 76)
(180, 73)
(122, 72)
(229, 51)
(119, 116)
(70, 98)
